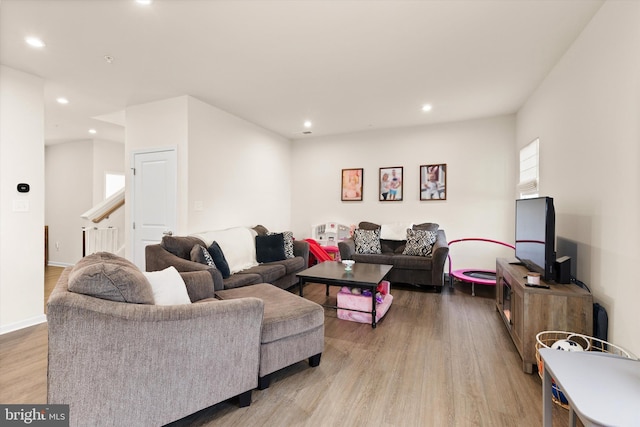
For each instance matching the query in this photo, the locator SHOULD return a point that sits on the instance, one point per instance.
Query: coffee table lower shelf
(332, 273)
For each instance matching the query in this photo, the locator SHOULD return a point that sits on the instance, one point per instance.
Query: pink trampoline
(473, 275)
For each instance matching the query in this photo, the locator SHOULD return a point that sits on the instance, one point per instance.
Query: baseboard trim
(58, 264)
(12, 327)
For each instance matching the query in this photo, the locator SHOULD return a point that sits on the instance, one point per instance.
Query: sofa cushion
(181, 246)
(108, 276)
(261, 230)
(419, 242)
(429, 226)
(285, 314)
(201, 255)
(270, 248)
(368, 226)
(241, 279)
(219, 259)
(268, 272)
(374, 258)
(410, 262)
(292, 265)
(168, 287)
(367, 241)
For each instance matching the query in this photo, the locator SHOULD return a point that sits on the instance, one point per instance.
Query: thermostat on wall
(23, 188)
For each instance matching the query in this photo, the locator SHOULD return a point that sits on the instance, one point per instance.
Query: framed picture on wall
(433, 182)
(390, 184)
(352, 184)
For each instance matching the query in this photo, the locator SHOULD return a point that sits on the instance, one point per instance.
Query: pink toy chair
(474, 275)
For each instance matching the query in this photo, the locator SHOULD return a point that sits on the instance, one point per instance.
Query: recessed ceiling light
(144, 2)
(92, 131)
(34, 42)
(62, 100)
(426, 107)
(307, 124)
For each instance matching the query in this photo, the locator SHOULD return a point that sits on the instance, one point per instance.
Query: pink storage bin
(359, 302)
(385, 287)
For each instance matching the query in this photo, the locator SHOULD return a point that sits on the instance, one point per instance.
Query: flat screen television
(535, 235)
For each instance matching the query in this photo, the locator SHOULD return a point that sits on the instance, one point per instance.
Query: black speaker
(562, 270)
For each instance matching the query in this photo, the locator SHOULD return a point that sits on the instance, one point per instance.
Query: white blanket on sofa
(238, 245)
(395, 231)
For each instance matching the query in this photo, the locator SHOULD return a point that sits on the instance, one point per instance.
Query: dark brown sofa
(416, 270)
(175, 251)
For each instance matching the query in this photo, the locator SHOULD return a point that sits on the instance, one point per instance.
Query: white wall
(75, 183)
(21, 160)
(480, 180)
(69, 193)
(239, 172)
(161, 124)
(586, 114)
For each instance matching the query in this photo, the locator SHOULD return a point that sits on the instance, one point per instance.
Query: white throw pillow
(168, 287)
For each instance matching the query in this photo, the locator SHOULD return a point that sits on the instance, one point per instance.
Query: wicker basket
(546, 339)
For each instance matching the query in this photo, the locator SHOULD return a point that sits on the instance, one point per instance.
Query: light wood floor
(434, 360)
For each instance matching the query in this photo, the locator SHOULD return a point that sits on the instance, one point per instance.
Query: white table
(602, 389)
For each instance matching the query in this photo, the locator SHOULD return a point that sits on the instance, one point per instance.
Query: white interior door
(154, 199)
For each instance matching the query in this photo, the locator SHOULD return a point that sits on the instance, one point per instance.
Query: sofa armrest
(439, 257)
(199, 285)
(301, 248)
(347, 248)
(108, 349)
(158, 258)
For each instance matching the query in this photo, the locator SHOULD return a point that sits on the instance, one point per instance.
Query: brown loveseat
(416, 270)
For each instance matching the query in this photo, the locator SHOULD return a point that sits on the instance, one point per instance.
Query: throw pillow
(367, 241)
(168, 287)
(219, 260)
(108, 276)
(270, 248)
(201, 255)
(419, 242)
(288, 243)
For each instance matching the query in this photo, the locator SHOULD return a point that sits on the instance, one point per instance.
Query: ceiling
(344, 65)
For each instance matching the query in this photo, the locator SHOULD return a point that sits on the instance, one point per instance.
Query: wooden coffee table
(332, 273)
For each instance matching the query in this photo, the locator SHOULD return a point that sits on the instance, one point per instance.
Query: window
(113, 182)
(529, 170)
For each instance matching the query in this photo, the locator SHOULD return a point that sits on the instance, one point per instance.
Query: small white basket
(546, 339)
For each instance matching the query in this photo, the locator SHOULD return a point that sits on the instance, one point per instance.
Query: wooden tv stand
(527, 311)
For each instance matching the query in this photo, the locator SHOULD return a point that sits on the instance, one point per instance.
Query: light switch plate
(21, 205)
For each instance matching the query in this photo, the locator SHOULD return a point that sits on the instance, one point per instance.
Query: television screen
(535, 235)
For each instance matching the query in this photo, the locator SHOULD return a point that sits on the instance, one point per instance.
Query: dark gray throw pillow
(270, 248)
(201, 255)
(219, 260)
(108, 276)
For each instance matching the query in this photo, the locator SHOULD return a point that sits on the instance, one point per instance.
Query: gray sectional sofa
(411, 269)
(128, 348)
(117, 359)
(177, 251)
